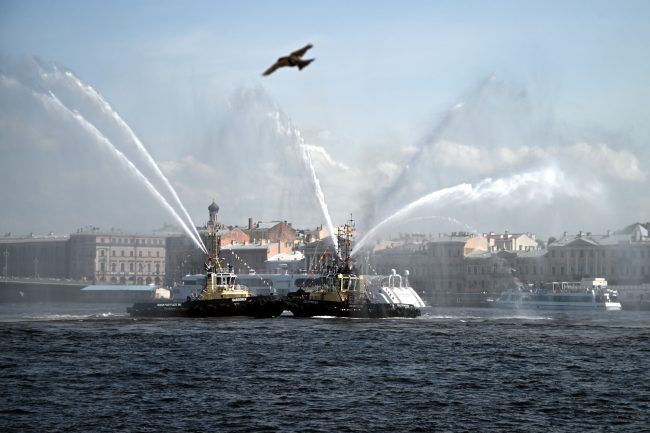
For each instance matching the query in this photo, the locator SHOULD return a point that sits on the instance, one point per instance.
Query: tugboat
(220, 296)
(340, 292)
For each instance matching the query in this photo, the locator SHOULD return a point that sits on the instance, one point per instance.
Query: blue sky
(385, 71)
(389, 63)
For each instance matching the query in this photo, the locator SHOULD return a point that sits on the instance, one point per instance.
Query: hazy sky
(537, 85)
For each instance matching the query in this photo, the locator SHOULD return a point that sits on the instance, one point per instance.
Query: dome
(213, 207)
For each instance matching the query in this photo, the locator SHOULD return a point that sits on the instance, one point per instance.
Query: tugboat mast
(345, 243)
(214, 258)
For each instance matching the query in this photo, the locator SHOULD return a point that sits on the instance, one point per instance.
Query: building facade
(117, 257)
(34, 256)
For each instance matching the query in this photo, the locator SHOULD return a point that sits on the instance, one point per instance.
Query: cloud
(497, 132)
(603, 160)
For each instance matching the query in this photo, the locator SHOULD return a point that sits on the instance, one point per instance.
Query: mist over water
(536, 187)
(501, 131)
(53, 103)
(106, 107)
(318, 191)
(128, 164)
(246, 154)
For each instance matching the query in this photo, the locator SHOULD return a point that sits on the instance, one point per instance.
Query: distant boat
(562, 296)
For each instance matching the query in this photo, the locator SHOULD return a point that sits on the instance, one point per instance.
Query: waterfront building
(511, 241)
(34, 256)
(90, 255)
(621, 257)
(274, 231)
(116, 257)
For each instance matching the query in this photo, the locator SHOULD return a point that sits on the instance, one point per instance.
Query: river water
(90, 367)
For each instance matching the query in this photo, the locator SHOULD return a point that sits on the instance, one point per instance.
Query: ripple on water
(462, 370)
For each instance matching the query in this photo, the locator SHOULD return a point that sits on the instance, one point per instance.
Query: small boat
(220, 296)
(338, 292)
(561, 296)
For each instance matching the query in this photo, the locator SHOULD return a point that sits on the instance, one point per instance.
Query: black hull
(257, 306)
(303, 307)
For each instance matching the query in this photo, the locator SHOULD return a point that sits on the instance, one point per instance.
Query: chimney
(250, 223)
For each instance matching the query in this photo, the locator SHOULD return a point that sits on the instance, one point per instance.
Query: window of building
(112, 267)
(131, 267)
(140, 267)
(102, 266)
(121, 267)
(140, 253)
(101, 253)
(113, 253)
(122, 253)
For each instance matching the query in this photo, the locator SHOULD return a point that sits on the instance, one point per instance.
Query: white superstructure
(392, 289)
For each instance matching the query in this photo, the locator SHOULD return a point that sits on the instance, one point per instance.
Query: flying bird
(293, 59)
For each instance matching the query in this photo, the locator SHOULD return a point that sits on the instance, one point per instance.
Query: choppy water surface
(92, 368)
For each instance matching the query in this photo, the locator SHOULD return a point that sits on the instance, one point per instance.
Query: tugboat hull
(302, 307)
(257, 306)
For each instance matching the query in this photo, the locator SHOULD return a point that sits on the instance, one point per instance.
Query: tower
(213, 210)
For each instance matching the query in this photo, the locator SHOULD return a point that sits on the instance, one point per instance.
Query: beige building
(511, 241)
(622, 257)
(116, 257)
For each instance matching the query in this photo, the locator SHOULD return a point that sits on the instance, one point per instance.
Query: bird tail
(304, 63)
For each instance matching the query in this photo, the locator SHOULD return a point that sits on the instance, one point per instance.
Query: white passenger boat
(562, 296)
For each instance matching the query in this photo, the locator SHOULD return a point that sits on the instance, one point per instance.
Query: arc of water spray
(445, 218)
(90, 128)
(306, 156)
(463, 188)
(449, 116)
(106, 107)
(468, 193)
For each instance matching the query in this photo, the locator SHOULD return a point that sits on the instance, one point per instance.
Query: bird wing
(301, 52)
(271, 69)
(282, 61)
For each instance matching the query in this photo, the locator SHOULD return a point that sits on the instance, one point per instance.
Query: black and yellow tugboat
(340, 292)
(220, 296)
